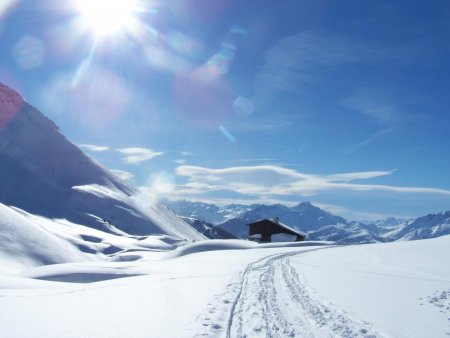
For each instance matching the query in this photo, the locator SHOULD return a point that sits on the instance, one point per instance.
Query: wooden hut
(263, 230)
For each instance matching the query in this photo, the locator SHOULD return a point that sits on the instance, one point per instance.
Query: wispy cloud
(94, 148)
(364, 175)
(376, 104)
(136, 155)
(296, 61)
(124, 175)
(269, 181)
(380, 106)
(355, 147)
(222, 201)
(288, 64)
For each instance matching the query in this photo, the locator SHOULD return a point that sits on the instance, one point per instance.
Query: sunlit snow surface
(159, 287)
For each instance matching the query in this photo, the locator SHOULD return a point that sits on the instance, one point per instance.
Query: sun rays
(106, 18)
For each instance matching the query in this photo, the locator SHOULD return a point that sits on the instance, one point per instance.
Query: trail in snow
(270, 301)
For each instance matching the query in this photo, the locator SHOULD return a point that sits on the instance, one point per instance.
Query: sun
(108, 17)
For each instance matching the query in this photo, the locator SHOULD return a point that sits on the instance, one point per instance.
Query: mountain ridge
(43, 173)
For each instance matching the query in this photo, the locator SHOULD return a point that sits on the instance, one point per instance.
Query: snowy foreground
(237, 289)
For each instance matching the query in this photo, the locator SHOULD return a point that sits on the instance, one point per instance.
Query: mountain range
(316, 222)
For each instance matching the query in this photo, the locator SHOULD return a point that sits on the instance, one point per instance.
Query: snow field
(270, 301)
(393, 285)
(165, 301)
(238, 289)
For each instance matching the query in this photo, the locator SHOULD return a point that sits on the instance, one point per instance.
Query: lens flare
(82, 97)
(6, 6)
(227, 134)
(108, 17)
(161, 183)
(243, 106)
(29, 52)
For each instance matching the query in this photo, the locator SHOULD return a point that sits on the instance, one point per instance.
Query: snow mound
(29, 241)
(236, 244)
(25, 244)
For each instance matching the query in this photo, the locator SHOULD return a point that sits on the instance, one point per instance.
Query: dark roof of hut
(282, 225)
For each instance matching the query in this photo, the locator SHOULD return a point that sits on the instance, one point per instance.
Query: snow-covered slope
(402, 289)
(429, 226)
(390, 222)
(383, 226)
(45, 174)
(24, 243)
(207, 229)
(28, 241)
(347, 233)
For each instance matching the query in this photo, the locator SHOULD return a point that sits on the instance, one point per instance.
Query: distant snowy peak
(350, 233)
(428, 226)
(391, 222)
(305, 207)
(45, 174)
(210, 213)
(234, 210)
(207, 212)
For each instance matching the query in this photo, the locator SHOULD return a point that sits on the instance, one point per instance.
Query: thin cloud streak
(269, 180)
(355, 147)
(124, 175)
(137, 155)
(94, 148)
(179, 161)
(381, 105)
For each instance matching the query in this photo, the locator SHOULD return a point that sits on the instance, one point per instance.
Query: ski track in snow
(268, 300)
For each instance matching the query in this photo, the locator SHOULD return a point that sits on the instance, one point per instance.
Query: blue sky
(344, 104)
